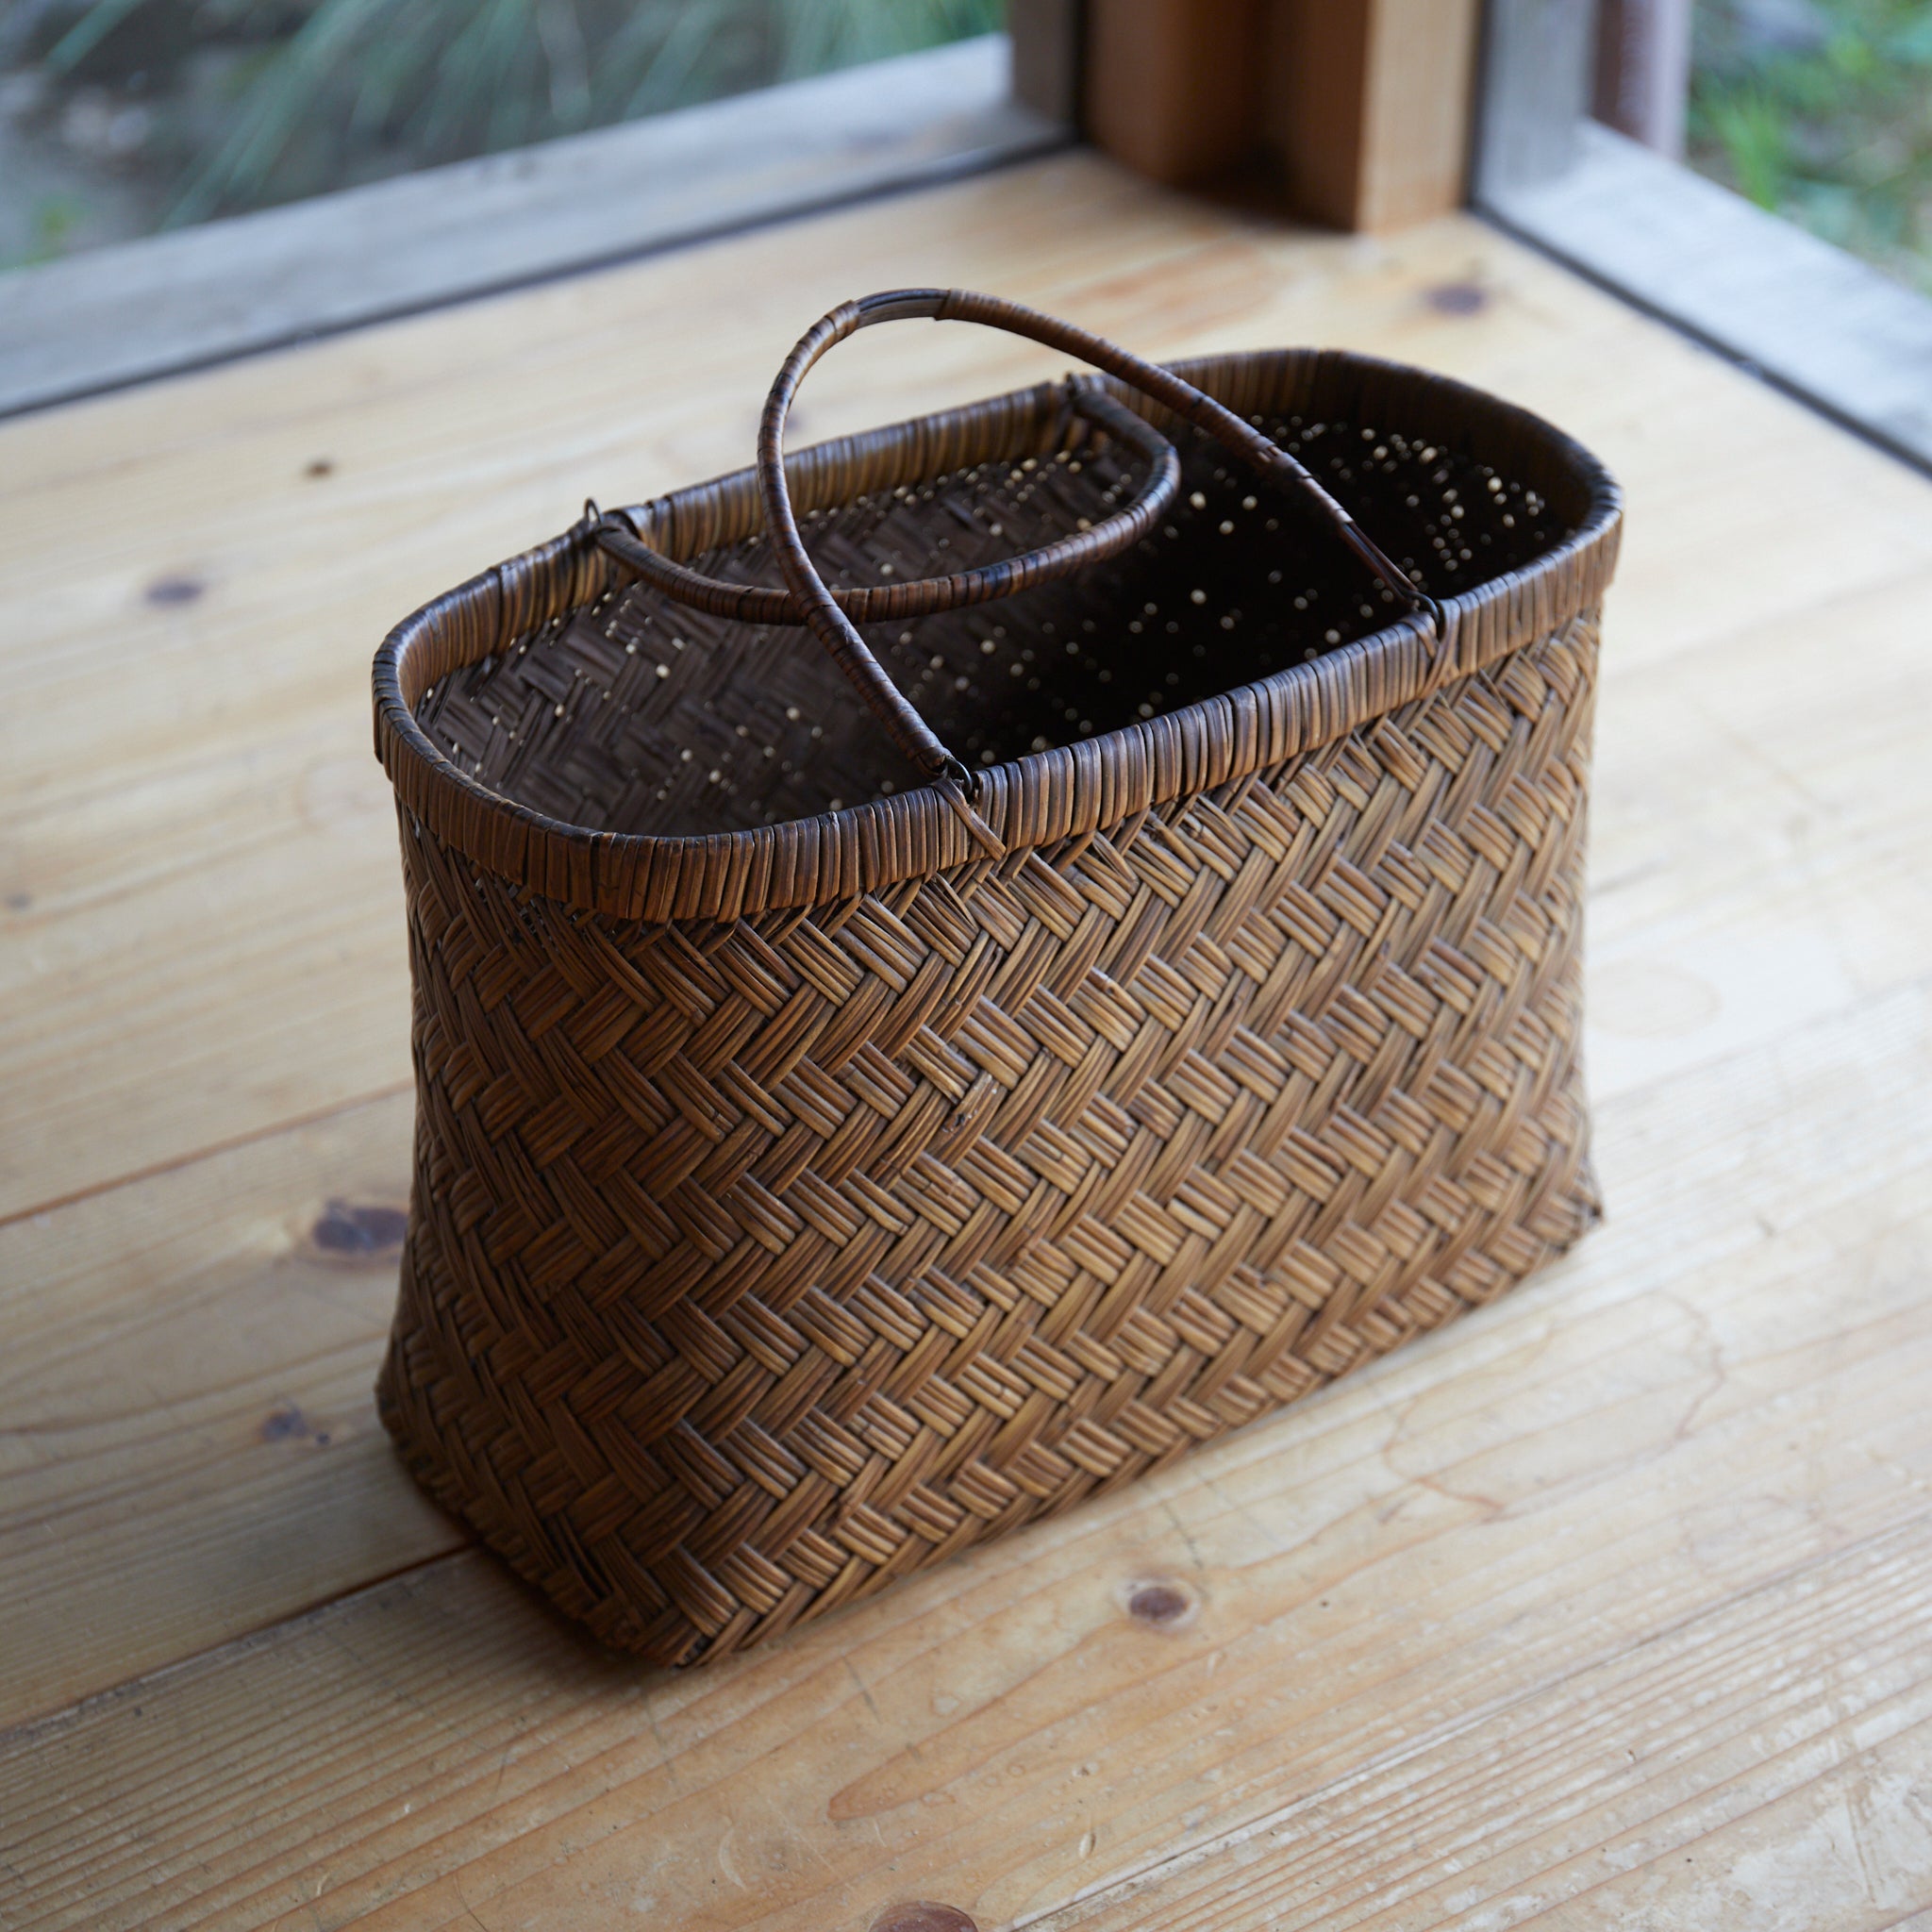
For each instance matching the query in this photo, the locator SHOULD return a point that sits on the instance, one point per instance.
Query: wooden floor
(1611, 1606)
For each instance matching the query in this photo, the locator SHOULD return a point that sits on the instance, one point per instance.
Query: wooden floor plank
(1755, 856)
(1717, 1394)
(199, 764)
(190, 1449)
(1736, 1744)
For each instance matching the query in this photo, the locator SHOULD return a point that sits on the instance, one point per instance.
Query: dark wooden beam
(1358, 110)
(1172, 88)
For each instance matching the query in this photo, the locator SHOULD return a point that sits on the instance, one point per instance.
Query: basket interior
(638, 715)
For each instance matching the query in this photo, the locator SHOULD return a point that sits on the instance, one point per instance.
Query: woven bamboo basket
(870, 1097)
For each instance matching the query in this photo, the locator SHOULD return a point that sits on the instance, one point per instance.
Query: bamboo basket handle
(830, 624)
(925, 596)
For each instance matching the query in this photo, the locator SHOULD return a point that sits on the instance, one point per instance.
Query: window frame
(165, 304)
(1810, 319)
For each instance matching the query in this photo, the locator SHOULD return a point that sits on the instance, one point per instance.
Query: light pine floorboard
(1610, 1606)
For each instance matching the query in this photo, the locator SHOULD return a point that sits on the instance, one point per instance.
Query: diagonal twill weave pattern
(759, 1260)
(806, 1191)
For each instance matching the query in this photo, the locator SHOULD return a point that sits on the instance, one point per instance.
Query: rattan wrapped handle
(821, 606)
(927, 596)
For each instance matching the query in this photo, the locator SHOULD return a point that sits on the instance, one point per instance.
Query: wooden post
(1643, 71)
(1366, 106)
(1046, 42)
(1360, 109)
(1172, 85)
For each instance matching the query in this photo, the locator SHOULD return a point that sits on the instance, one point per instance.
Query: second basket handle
(616, 531)
(820, 607)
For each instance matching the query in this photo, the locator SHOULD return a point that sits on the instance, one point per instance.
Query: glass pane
(122, 117)
(1820, 111)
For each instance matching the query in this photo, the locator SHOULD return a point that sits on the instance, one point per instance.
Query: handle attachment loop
(924, 597)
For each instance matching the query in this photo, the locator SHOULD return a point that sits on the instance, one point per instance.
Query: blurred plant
(1820, 111)
(281, 98)
(55, 219)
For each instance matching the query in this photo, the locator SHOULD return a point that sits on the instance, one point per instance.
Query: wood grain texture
(1610, 1604)
(1530, 1572)
(1417, 111)
(1781, 1782)
(1358, 110)
(1314, 103)
(1365, 107)
(1171, 88)
(191, 1448)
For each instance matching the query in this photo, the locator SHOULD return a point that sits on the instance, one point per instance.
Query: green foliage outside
(1820, 111)
(222, 105)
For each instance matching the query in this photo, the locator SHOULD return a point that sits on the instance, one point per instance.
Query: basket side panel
(753, 1264)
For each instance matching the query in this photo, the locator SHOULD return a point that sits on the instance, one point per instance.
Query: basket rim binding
(1041, 797)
